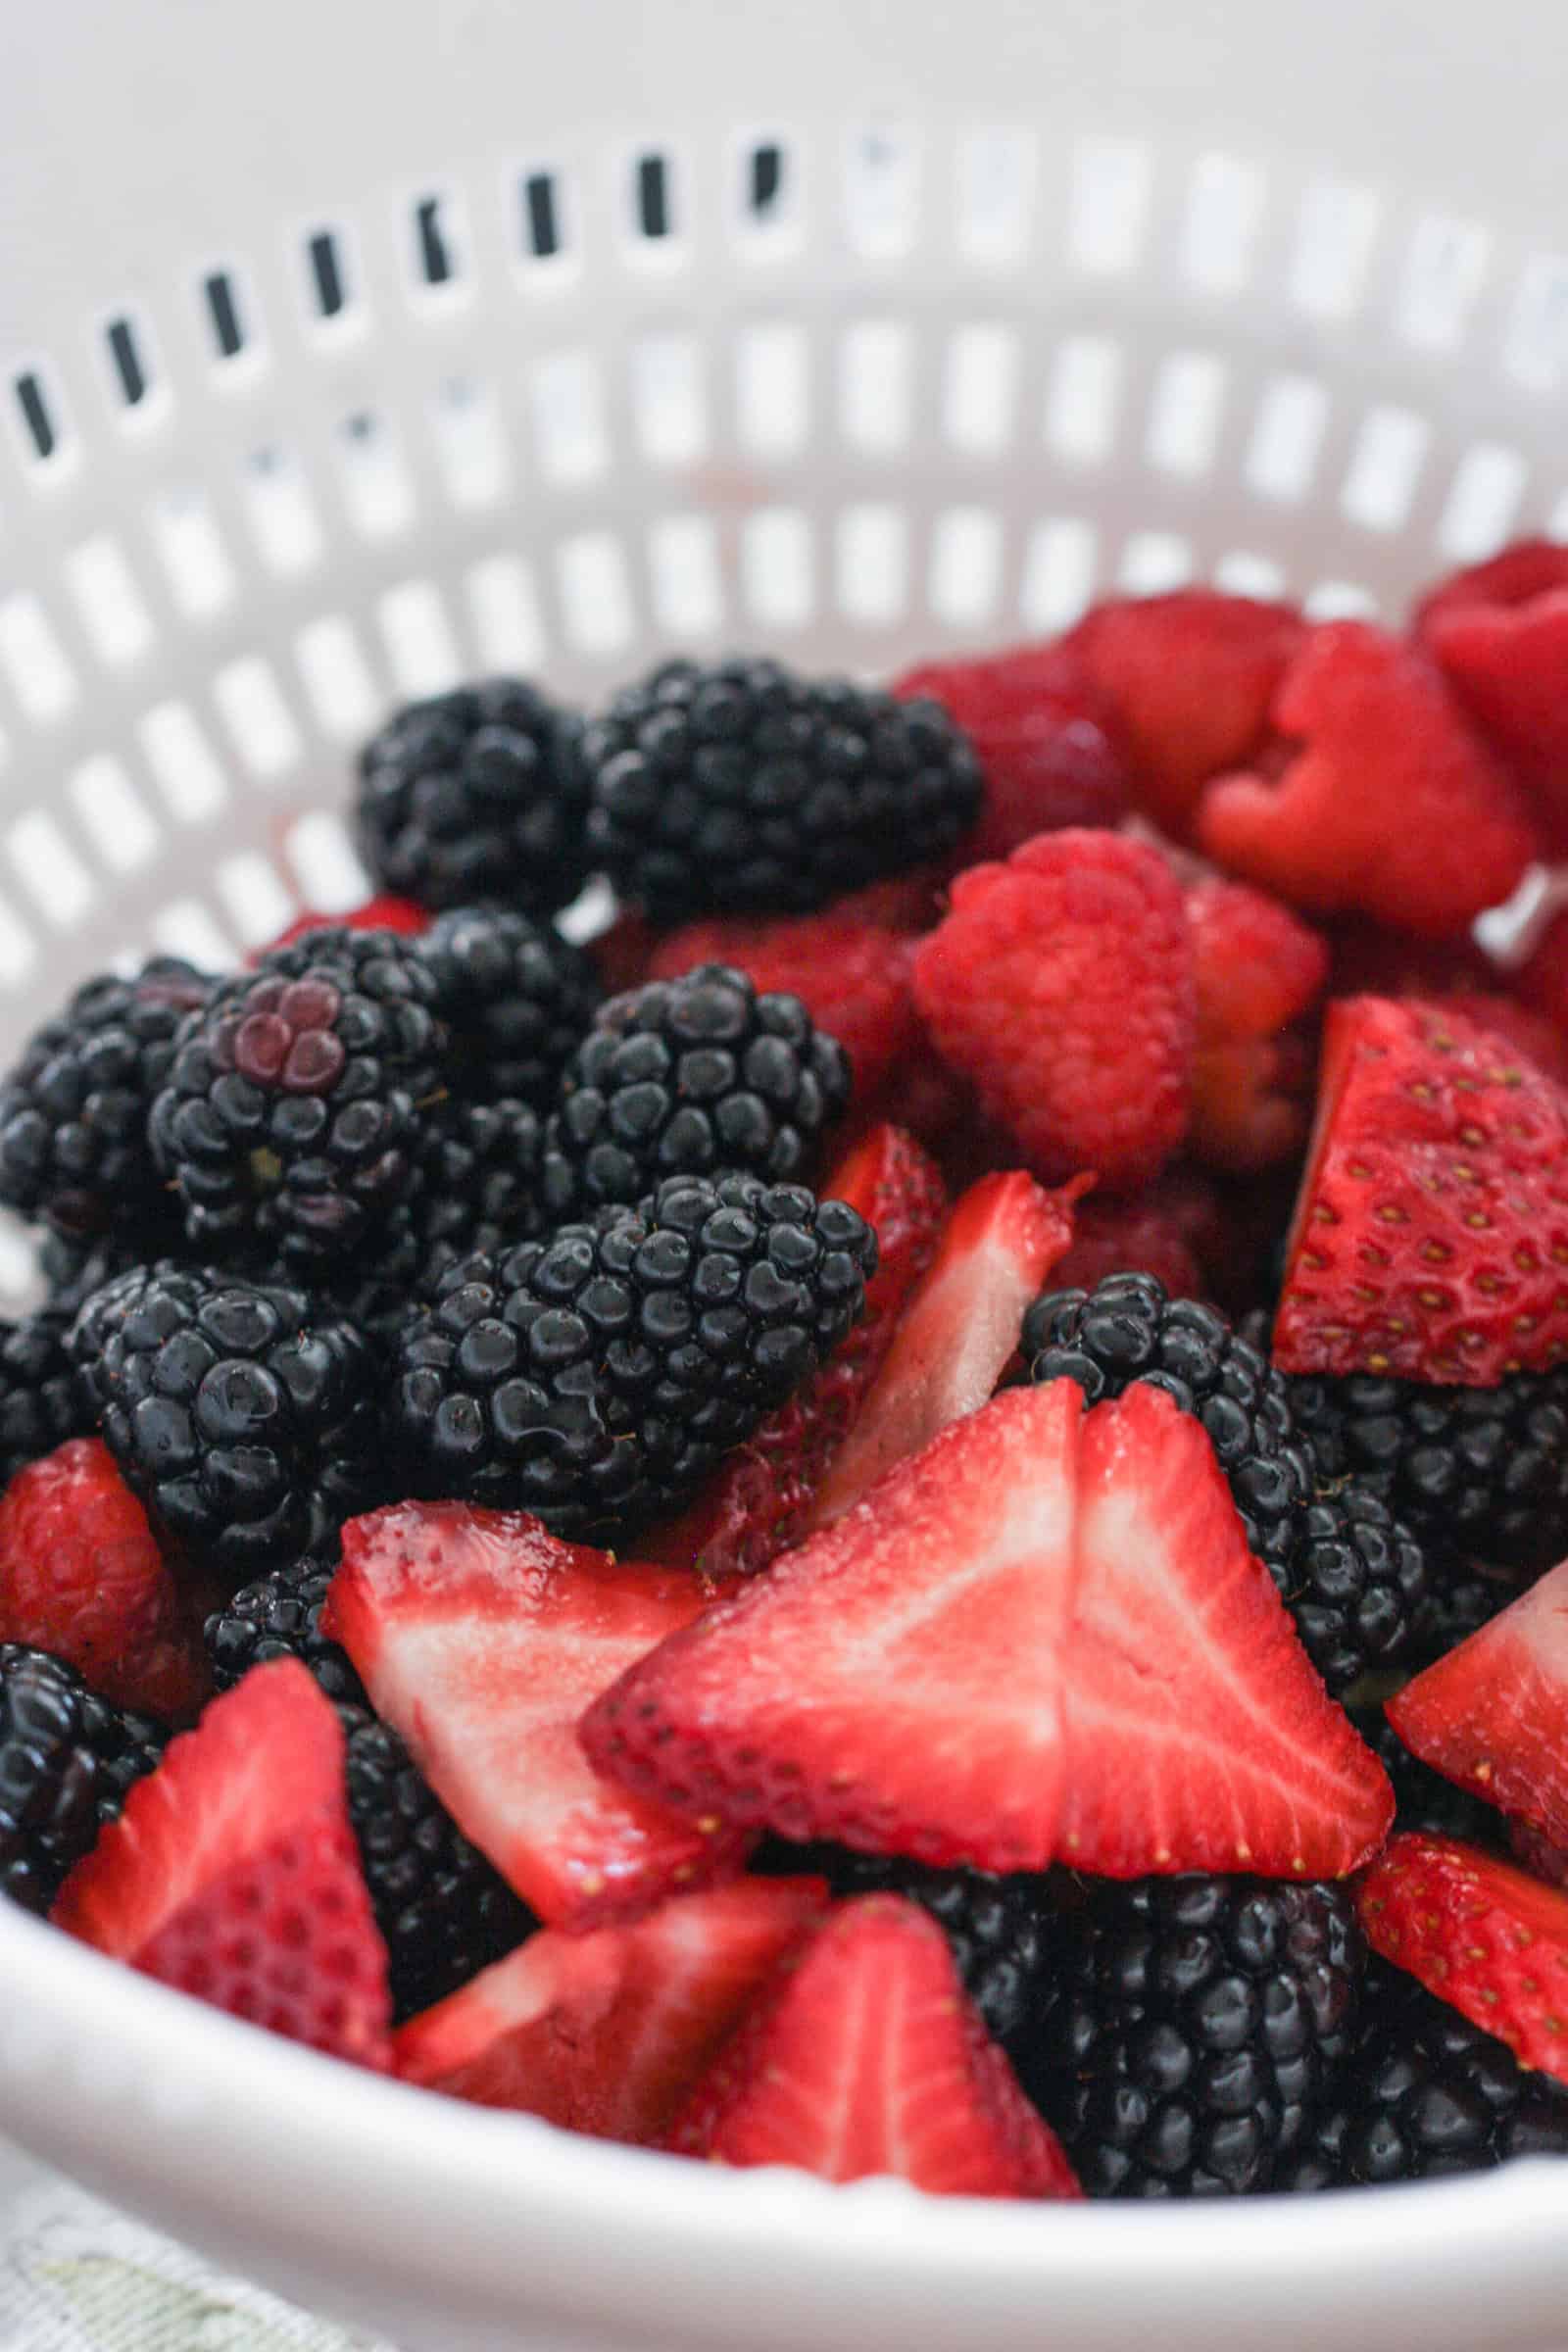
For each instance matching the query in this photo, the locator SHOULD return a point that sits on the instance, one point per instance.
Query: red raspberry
(1258, 969)
(1501, 632)
(81, 1575)
(1061, 984)
(1141, 1236)
(1044, 738)
(1389, 802)
(621, 953)
(1189, 678)
(852, 978)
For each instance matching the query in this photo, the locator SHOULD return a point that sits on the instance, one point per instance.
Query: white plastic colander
(349, 347)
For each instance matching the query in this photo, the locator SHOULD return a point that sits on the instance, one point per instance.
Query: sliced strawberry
(1189, 678)
(386, 914)
(1431, 1230)
(480, 1639)
(1044, 1636)
(1480, 1934)
(1538, 1854)
(81, 1575)
(958, 1331)
(1541, 980)
(1389, 800)
(1198, 1735)
(604, 2032)
(232, 1873)
(1060, 985)
(869, 2058)
(1490, 1714)
(1500, 631)
(758, 1503)
(1044, 738)
(852, 977)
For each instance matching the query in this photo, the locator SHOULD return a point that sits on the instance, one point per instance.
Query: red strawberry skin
(901, 1733)
(232, 1873)
(958, 1331)
(1045, 739)
(480, 1639)
(1430, 1239)
(759, 1501)
(604, 2032)
(868, 2059)
(1240, 1760)
(1480, 1934)
(1499, 630)
(1044, 1638)
(81, 1575)
(1391, 803)
(1490, 1714)
(1060, 985)
(852, 977)
(1189, 678)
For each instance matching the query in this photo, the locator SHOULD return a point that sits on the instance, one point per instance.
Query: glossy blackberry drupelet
(516, 997)
(73, 1147)
(688, 1077)
(999, 1927)
(1359, 1586)
(1128, 1328)
(742, 789)
(1422, 1798)
(294, 1104)
(478, 1189)
(279, 1616)
(597, 1374)
(1479, 1471)
(67, 1761)
(441, 1907)
(74, 1270)
(1191, 2029)
(1426, 2092)
(39, 1404)
(477, 794)
(243, 1414)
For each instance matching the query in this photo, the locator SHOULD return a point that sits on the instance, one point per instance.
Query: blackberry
(478, 1171)
(279, 1616)
(477, 794)
(242, 1413)
(1359, 1586)
(67, 1761)
(742, 789)
(74, 1270)
(39, 1405)
(999, 1927)
(291, 1114)
(1128, 1328)
(1190, 2028)
(516, 997)
(442, 1909)
(1464, 1597)
(1427, 2093)
(1482, 1471)
(596, 1376)
(73, 1147)
(1422, 1798)
(685, 1077)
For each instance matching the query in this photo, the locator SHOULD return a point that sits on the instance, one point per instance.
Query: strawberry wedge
(1044, 1638)
(1492, 1715)
(232, 1873)
(959, 1330)
(480, 1639)
(1483, 1936)
(603, 2033)
(868, 2058)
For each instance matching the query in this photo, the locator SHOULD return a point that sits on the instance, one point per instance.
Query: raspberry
(1388, 802)
(1501, 632)
(1060, 984)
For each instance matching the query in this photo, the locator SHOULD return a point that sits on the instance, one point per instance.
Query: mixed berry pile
(905, 1518)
